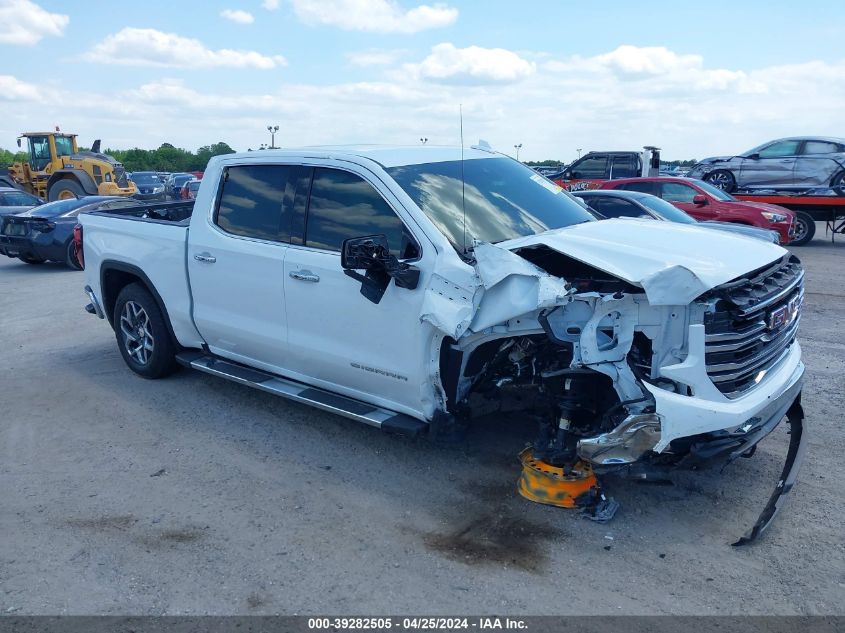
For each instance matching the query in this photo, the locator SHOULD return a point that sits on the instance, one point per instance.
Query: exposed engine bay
(590, 367)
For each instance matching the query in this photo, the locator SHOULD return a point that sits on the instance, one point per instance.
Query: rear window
(251, 201)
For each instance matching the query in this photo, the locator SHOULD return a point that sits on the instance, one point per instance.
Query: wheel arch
(115, 276)
(81, 177)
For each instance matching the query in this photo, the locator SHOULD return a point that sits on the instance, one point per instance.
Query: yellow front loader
(57, 170)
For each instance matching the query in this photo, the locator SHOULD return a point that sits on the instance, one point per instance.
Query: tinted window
(611, 207)
(644, 187)
(343, 205)
(59, 207)
(497, 199)
(19, 199)
(781, 148)
(251, 201)
(821, 147)
(624, 167)
(590, 167)
(676, 192)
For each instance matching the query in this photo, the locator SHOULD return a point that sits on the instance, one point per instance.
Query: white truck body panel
(249, 305)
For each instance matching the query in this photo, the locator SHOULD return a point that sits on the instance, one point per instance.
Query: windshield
(713, 191)
(502, 199)
(666, 210)
(181, 180)
(143, 178)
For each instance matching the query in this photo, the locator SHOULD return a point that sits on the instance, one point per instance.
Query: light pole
(517, 148)
(579, 152)
(423, 140)
(272, 129)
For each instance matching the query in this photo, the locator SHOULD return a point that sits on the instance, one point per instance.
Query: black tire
(805, 229)
(70, 257)
(64, 189)
(721, 179)
(838, 183)
(27, 259)
(144, 341)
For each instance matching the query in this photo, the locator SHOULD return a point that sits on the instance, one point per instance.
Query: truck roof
(384, 155)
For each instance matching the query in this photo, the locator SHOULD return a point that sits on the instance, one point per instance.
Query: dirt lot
(194, 495)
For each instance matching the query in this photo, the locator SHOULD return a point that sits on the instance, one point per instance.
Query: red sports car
(705, 202)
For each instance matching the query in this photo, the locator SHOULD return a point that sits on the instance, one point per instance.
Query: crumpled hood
(673, 263)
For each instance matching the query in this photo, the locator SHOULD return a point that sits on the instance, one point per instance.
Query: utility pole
(423, 140)
(517, 148)
(579, 152)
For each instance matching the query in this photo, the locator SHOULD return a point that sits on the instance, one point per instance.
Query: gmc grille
(754, 322)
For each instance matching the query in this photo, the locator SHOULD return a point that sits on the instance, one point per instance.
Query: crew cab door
(236, 253)
(773, 166)
(339, 339)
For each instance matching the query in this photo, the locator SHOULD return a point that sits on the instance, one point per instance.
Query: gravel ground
(192, 495)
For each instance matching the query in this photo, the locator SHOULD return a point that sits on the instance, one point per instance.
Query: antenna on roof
(463, 185)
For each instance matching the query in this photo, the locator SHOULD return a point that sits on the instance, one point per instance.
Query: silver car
(789, 164)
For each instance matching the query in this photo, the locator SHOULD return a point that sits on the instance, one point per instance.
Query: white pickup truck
(411, 288)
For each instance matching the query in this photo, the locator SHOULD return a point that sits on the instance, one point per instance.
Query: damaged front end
(625, 376)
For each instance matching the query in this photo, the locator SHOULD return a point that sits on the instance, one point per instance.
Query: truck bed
(170, 212)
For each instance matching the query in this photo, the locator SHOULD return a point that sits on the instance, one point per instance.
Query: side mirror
(19, 142)
(754, 156)
(372, 254)
(699, 199)
(569, 175)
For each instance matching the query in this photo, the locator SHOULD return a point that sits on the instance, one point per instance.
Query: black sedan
(45, 233)
(616, 203)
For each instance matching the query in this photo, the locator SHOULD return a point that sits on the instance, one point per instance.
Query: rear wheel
(31, 260)
(721, 179)
(142, 334)
(805, 229)
(70, 258)
(838, 183)
(65, 190)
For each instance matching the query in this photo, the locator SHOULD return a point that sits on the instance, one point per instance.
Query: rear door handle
(304, 275)
(205, 257)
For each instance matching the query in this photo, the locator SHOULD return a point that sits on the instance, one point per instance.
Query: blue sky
(695, 78)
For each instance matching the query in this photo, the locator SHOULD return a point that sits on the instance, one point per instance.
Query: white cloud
(24, 22)
(473, 65)
(378, 16)
(270, 5)
(13, 89)
(691, 111)
(652, 60)
(374, 57)
(149, 47)
(237, 16)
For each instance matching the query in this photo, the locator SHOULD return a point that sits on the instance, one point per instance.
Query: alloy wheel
(137, 335)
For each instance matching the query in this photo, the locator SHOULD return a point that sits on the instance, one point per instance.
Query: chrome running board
(384, 419)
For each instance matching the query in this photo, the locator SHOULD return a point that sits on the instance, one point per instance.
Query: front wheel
(721, 179)
(838, 183)
(142, 334)
(805, 229)
(65, 190)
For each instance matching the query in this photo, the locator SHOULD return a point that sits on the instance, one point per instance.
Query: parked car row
(45, 231)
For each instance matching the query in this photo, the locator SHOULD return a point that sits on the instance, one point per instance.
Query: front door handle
(304, 275)
(205, 257)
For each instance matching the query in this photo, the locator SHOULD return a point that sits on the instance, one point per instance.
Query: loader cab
(48, 148)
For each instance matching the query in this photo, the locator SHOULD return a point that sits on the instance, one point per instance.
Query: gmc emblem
(784, 315)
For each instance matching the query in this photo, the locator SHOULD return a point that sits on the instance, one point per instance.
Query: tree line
(165, 158)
